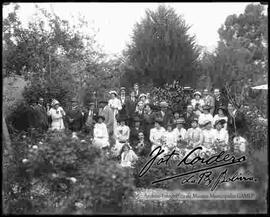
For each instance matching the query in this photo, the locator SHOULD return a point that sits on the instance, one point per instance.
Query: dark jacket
(188, 118)
(77, 119)
(221, 101)
(42, 117)
(238, 122)
(166, 118)
(133, 137)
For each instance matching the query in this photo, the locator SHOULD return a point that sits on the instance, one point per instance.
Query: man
(107, 113)
(220, 100)
(136, 90)
(142, 147)
(74, 118)
(209, 100)
(130, 106)
(43, 122)
(135, 129)
(189, 116)
(164, 114)
(148, 119)
(123, 100)
(236, 121)
(90, 118)
(180, 132)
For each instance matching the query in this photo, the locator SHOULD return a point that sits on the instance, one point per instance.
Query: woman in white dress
(209, 136)
(101, 136)
(128, 156)
(221, 116)
(205, 116)
(221, 135)
(180, 134)
(57, 114)
(197, 100)
(157, 134)
(115, 104)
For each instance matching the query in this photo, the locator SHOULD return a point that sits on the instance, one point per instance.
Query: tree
(161, 49)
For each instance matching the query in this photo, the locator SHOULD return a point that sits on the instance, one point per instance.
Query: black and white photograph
(135, 108)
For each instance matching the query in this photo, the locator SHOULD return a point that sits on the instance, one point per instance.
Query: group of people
(131, 126)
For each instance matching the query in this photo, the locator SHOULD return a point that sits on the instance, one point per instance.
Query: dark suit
(166, 118)
(130, 107)
(220, 101)
(133, 137)
(77, 122)
(42, 121)
(237, 122)
(148, 123)
(188, 118)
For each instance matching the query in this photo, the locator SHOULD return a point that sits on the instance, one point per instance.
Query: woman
(156, 134)
(57, 114)
(194, 136)
(115, 104)
(221, 116)
(176, 116)
(171, 139)
(128, 156)
(221, 135)
(139, 109)
(101, 136)
(180, 134)
(206, 115)
(143, 98)
(209, 136)
(197, 100)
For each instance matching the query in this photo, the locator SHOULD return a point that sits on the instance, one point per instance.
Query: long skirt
(117, 148)
(57, 124)
(101, 143)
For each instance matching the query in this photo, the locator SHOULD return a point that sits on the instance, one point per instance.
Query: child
(128, 156)
(194, 135)
(101, 137)
(142, 147)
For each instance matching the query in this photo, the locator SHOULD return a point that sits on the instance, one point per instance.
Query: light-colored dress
(122, 134)
(57, 118)
(208, 140)
(156, 136)
(128, 158)
(222, 138)
(116, 105)
(194, 137)
(205, 117)
(101, 137)
(194, 102)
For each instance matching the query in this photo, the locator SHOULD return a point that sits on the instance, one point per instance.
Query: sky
(115, 21)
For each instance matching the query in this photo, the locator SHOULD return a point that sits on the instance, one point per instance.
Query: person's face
(157, 125)
(189, 109)
(176, 115)
(41, 101)
(125, 148)
(163, 108)
(216, 92)
(91, 107)
(137, 124)
(100, 120)
(122, 123)
(205, 93)
(132, 94)
(218, 126)
(147, 108)
(220, 112)
(197, 97)
(205, 111)
(208, 126)
(141, 136)
(169, 128)
(143, 98)
(140, 105)
(179, 126)
(230, 107)
(123, 93)
(56, 106)
(74, 104)
(136, 87)
(194, 124)
(112, 95)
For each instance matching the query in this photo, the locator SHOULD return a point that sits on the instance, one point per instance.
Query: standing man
(136, 91)
(189, 116)
(209, 100)
(107, 113)
(220, 100)
(131, 106)
(90, 118)
(123, 100)
(43, 122)
(164, 114)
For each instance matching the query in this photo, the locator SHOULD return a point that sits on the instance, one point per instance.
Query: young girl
(101, 136)
(128, 156)
(221, 135)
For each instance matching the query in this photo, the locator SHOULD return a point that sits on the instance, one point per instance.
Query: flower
(25, 160)
(74, 180)
(35, 147)
(40, 143)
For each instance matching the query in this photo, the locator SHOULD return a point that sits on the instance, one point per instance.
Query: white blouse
(122, 133)
(127, 158)
(115, 103)
(222, 136)
(100, 131)
(205, 117)
(171, 139)
(194, 102)
(180, 133)
(156, 135)
(217, 117)
(208, 137)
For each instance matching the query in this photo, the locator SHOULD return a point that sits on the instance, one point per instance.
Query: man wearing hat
(136, 90)
(194, 134)
(122, 133)
(197, 100)
(209, 100)
(115, 105)
(130, 105)
(74, 117)
(205, 115)
(42, 118)
(164, 113)
(189, 115)
(143, 98)
(107, 113)
(148, 119)
(220, 100)
(157, 133)
(100, 133)
(57, 114)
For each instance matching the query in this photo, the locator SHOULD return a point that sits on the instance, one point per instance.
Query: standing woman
(57, 114)
(115, 105)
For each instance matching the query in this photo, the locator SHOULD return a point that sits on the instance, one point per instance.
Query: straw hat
(55, 102)
(220, 121)
(142, 95)
(113, 92)
(197, 93)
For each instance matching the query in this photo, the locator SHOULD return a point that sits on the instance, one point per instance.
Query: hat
(189, 106)
(206, 122)
(113, 92)
(220, 121)
(163, 104)
(101, 116)
(91, 103)
(123, 88)
(158, 120)
(197, 93)
(206, 107)
(142, 95)
(180, 121)
(222, 107)
(55, 102)
(187, 88)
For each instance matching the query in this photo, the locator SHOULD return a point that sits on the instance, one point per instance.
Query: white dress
(115, 105)
(57, 118)
(208, 140)
(180, 134)
(194, 102)
(156, 136)
(122, 135)
(222, 137)
(217, 117)
(101, 136)
(205, 117)
(127, 158)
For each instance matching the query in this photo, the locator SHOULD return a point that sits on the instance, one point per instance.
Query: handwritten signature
(215, 161)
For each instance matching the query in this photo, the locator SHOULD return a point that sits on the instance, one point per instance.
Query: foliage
(161, 49)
